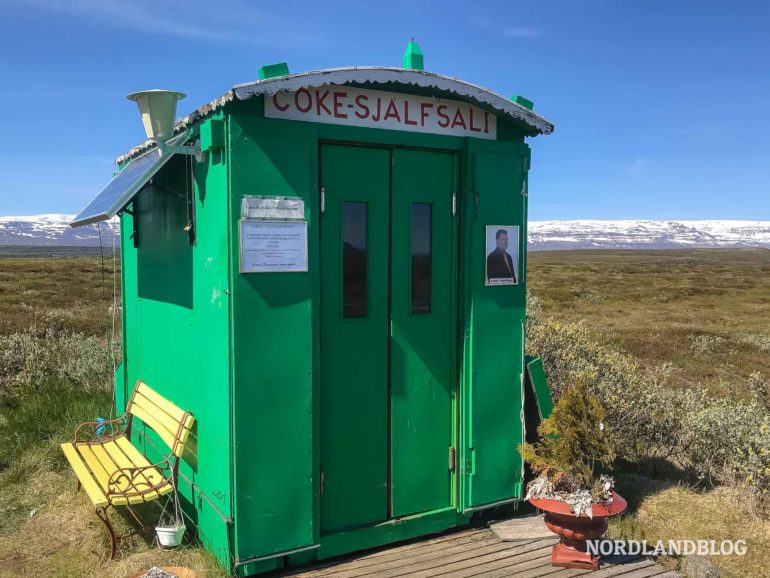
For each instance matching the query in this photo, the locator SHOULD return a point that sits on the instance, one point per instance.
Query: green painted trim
(389, 532)
(125, 239)
(258, 567)
(539, 384)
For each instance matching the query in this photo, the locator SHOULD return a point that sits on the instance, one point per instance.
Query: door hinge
(451, 459)
(524, 188)
(323, 477)
(454, 204)
(323, 200)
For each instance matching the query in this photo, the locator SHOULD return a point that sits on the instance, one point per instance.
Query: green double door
(388, 255)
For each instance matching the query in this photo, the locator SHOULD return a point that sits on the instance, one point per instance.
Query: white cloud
(518, 32)
(227, 20)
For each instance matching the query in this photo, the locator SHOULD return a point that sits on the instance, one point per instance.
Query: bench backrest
(171, 423)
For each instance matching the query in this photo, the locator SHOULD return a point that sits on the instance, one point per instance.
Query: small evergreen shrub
(573, 442)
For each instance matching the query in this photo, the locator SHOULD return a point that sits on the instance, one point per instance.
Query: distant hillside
(54, 230)
(544, 235)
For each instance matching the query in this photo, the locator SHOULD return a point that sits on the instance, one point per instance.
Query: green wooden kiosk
(334, 285)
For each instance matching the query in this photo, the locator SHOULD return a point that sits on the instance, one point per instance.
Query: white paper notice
(275, 208)
(273, 246)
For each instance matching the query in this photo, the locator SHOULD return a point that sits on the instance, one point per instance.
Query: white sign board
(276, 208)
(273, 246)
(378, 109)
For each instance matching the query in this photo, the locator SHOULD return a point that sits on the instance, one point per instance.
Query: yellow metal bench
(112, 471)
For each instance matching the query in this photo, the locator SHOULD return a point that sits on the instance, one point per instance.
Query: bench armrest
(110, 429)
(135, 480)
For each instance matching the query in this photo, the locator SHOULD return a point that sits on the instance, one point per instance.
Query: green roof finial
(525, 102)
(413, 56)
(273, 70)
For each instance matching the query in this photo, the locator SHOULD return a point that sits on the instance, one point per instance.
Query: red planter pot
(571, 551)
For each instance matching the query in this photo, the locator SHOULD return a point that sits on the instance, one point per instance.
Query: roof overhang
(530, 122)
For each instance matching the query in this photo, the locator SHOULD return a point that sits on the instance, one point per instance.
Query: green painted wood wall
(242, 351)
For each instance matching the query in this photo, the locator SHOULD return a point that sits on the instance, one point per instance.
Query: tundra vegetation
(59, 342)
(675, 345)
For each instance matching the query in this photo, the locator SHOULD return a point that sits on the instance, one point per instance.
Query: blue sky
(661, 107)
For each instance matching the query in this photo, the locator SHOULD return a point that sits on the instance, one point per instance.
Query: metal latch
(323, 200)
(454, 204)
(451, 459)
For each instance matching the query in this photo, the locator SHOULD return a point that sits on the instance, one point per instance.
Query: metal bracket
(134, 230)
(190, 150)
(454, 203)
(323, 200)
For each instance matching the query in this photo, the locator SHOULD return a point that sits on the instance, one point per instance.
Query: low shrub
(714, 439)
(751, 463)
(49, 383)
(707, 344)
(82, 362)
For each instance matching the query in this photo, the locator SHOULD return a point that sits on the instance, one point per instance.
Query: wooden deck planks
(386, 566)
(481, 561)
(434, 547)
(473, 553)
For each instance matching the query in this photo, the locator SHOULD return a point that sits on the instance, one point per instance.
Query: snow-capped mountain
(545, 235)
(54, 230)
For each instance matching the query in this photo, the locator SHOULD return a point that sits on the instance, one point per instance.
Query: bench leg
(102, 513)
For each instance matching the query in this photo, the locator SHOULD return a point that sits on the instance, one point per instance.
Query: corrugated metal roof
(367, 75)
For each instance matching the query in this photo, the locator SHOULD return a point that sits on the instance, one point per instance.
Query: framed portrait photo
(502, 255)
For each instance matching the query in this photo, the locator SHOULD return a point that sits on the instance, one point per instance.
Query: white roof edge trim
(362, 75)
(380, 75)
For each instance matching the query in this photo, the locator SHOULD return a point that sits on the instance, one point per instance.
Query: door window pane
(354, 289)
(421, 257)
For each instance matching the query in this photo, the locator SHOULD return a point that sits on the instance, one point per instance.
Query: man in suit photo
(499, 262)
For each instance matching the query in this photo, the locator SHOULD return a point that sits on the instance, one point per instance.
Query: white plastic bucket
(170, 536)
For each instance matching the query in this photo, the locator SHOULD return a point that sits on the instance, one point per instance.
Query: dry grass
(59, 535)
(699, 316)
(77, 291)
(680, 513)
(664, 510)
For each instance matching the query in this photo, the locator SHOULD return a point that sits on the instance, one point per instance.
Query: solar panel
(123, 187)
